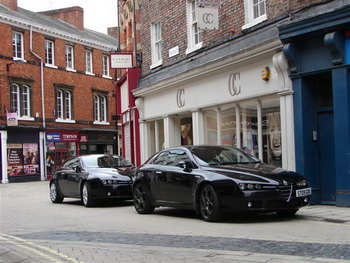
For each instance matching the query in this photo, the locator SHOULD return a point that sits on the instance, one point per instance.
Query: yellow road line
(20, 242)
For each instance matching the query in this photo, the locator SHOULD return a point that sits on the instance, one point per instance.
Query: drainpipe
(43, 160)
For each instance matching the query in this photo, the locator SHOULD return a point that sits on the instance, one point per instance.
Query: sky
(98, 14)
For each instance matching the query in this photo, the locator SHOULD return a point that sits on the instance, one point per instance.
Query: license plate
(303, 192)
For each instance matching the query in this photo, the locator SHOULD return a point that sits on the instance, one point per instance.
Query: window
(105, 65)
(18, 48)
(63, 104)
(100, 108)
(69, 57)
(255, 12)
(156, 32)
(88, 61)
(21, 100)
(194, 33)
(49, 52)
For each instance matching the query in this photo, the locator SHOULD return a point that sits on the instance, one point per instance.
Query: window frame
(193, 44)
(16, 44)
(88, 62)
(105, 66)
(21, 100)
(69, 55)
(250, 20)
(156, 43)
(64, 105)
(47, 53)
(100, 109)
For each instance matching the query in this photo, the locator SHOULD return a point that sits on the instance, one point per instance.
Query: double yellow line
(42, 251)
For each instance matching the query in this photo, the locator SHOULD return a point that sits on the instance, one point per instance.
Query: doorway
(325, 140)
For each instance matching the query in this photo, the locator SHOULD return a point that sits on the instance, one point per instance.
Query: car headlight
(249, 186)
(302, 183)
(105, 182)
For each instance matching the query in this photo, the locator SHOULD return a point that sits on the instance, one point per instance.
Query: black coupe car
(92, 177)
(214, 180)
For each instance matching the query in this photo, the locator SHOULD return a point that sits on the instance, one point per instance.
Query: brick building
(57, 94)
(231, 81)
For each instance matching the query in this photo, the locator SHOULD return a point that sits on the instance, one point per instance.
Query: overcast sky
(98, 14)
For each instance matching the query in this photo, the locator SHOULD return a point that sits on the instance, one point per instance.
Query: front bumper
(122, 192)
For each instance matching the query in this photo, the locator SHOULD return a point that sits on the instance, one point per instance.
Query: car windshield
(105, 161)
(221, 155)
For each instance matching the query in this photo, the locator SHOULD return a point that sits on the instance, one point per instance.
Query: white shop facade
(244, 101)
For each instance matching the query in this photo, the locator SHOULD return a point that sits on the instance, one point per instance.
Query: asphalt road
(32, 229)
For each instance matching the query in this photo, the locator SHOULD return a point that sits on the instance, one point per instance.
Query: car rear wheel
(55, 195)
(142, 201)
(209, 204)
(287, 213)
(86, 195)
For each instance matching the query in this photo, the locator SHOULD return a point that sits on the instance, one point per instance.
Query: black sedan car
(92, 177)
(214, 180)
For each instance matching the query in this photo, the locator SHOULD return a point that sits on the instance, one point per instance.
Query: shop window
(186, 131)
(272, 137)
(100, 109)
(249, 128)
(21, 100)
(210, 127)
(194, 33)
(228, 126)
(49, 53)
(18, 45)
(64, 100)
(255, 12)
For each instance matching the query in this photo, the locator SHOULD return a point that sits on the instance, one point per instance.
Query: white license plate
(303, 192)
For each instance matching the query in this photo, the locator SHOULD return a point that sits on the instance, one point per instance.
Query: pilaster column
(3, 135)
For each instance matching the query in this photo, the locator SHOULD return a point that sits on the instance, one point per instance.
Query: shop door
(325, 140)
(326, 156)
(61, 156)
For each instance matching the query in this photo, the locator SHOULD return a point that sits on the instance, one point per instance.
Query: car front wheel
(142, 201)
(86, 195)
(55, 195)
(209, 204)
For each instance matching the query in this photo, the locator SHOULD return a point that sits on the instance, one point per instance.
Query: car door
(73, 175)
(176, 184)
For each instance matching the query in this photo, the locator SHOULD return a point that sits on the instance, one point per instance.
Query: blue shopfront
(318, 51)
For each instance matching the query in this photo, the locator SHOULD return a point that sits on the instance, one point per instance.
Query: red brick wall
(72, 15)
(172, 15)
(82, 83)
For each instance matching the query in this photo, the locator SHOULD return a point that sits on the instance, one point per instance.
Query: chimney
(72, 15)
(12, 4)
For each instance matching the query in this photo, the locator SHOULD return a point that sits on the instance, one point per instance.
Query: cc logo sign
(180, 100)
(208, 18)
(233, 89)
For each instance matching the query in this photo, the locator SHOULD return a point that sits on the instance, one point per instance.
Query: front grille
(286, 191)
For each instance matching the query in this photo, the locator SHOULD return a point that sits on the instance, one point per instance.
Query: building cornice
(49, 31)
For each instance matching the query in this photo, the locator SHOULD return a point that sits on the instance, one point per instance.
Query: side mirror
(186, 165)
(76, 168)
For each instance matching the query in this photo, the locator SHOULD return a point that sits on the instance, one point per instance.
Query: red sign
(83, 138)
(69, 137)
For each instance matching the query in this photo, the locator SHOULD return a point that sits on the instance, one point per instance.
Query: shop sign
(69, 137)
(83, 138)
(12, 119)
(121, 60)
(208, 18)
(233, 87)
(53, 137)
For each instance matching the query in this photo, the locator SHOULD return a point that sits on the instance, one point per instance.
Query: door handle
(158, 172)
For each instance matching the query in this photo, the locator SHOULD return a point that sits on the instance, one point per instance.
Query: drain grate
(331, 220)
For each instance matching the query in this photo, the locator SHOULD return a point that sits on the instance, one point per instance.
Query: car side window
(177, 156)
(71, 163)
(161, 159)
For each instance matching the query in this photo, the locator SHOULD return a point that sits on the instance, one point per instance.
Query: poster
(274, 145)
(14, 159)
(30, 158)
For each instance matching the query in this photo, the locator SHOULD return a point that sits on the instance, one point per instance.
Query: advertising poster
(14, 159)
(274, 138)
(30, 158)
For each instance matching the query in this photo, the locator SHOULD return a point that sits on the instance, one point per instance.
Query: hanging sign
(121, 60)
(12, 119)
(208, 18)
